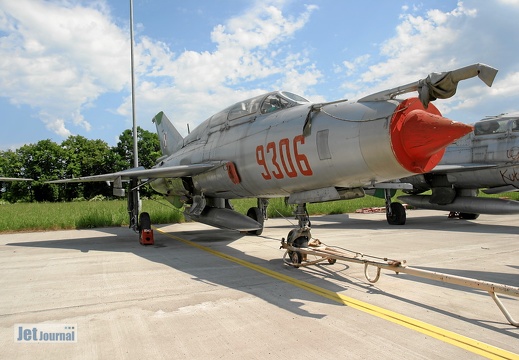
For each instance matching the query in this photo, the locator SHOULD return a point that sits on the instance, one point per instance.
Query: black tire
(398, 215)
(144, 222)
(468, 216)
(296, 258)
(255, 214)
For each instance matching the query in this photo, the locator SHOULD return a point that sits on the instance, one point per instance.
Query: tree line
(74, 157)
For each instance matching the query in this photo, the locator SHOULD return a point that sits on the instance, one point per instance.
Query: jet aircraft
(281, 145)
(487, 158)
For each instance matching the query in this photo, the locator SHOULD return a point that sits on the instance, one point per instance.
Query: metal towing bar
(297, 257)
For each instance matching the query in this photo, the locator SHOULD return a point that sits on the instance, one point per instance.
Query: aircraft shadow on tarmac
(420, 222)
(170, 252)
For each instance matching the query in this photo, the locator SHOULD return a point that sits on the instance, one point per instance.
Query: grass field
(92, 214)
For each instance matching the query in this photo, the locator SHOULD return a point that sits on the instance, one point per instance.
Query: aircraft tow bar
(298, 257)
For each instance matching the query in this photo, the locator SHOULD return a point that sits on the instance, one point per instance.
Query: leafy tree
(84, 157)
(42, 161)
(3, 164)
(11, 166)
(148, 146)
(149, 151)
(76, 156)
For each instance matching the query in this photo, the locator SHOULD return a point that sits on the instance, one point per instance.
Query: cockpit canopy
(497, 125)
(265, 103)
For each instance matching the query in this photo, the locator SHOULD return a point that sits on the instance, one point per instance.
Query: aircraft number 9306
(278, 160)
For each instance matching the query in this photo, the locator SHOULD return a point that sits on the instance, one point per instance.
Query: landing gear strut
(134, 204)
(299, 238)
(139, 223)
(395, 212)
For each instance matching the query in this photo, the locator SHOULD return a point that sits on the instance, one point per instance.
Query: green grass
(92, 214)
(78, 215)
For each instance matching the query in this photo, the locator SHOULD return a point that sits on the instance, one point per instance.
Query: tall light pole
(135, 148)
(134, 203)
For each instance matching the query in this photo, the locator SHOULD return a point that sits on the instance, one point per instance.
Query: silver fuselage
(273, 158)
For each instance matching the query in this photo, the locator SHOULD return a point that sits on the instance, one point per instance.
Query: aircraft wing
(462, 167)
(142, 173)
(14, 179)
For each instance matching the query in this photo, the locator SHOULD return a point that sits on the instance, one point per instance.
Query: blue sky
(65, 64)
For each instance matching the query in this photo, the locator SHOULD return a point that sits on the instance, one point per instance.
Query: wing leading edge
(142, 173)
(14, 179)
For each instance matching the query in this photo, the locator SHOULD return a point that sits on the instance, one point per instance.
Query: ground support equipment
(297, 253)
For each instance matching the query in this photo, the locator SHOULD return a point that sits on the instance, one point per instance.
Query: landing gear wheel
(255, 214)
(468, 216)
(144, 221)
(398, 215)
(296, 258)
(332, 261)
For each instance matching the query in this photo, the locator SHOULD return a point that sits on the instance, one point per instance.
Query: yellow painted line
(447, 336)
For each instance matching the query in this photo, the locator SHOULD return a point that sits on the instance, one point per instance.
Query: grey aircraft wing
(142, 173)
(462, 167)
(14, 179)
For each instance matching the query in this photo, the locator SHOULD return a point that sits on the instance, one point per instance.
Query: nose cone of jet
(419, 137)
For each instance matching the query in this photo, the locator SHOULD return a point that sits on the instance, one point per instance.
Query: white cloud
(59, 57)
(475, 31)
(56, 125)
(352, 66)
(250, 57)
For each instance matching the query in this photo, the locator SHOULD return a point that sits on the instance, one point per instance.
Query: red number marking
(287, 160)
(301, 159)
(272, 146)
(260, 159)
(285, 144)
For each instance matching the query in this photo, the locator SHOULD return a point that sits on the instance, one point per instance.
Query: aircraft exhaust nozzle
(419, 137)
(466, 204)
(225, 219)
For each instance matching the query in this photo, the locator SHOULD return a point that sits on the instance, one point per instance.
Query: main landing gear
(259, 214)
(299, 238)
(395, 212)
(139, 223)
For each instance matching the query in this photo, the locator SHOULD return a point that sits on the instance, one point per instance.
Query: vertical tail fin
(170, 139)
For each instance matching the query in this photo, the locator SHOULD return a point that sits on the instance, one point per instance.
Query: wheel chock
(146, 237)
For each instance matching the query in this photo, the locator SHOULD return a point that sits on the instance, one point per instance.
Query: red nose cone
(419, 137)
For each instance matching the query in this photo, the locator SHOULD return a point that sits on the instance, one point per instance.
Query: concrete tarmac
(205, 293)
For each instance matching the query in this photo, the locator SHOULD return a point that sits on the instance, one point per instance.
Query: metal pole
(134, 203)
(135, 148)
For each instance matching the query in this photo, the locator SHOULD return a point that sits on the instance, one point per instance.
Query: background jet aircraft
(487, 158)
(281, 145)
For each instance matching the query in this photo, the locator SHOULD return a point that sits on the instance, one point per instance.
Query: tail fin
(170, 139)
